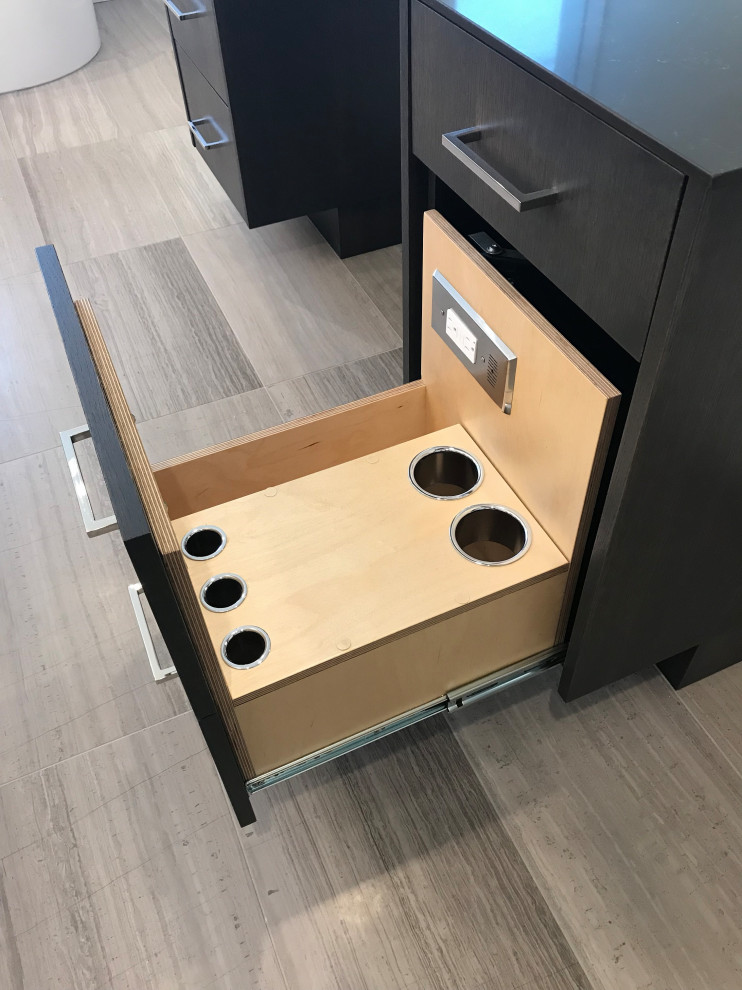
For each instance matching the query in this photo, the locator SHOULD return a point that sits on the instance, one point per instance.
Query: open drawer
(327, 581)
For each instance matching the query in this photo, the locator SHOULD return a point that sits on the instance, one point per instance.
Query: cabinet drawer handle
(459, 144)
(159, 673)
(93, 526)
(186, 15)
(207, 145)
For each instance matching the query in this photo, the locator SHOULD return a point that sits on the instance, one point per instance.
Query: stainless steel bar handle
(159, 673)
(207, 145)
(186, 15)
(93, 526)
(459, 144)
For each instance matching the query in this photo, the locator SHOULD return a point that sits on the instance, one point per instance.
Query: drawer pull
(159, 673)
(207, 145)
(93, 526)
(186, 15)
(459, 144)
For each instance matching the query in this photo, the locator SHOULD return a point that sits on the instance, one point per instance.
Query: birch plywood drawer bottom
(372, 563)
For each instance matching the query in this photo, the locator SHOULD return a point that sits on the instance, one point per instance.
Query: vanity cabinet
(295, 109)
(593, 152)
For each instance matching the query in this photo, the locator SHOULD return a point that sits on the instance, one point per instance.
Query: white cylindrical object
(41, 40)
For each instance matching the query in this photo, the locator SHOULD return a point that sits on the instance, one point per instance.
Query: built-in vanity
(557, 482)
(591, 151)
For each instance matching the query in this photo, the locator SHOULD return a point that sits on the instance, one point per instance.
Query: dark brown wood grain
(199, 38)
(202, 101)
(310, 93)
(605, 240)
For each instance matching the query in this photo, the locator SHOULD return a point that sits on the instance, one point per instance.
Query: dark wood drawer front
(198, 35)
(211, 123)
(604, 237)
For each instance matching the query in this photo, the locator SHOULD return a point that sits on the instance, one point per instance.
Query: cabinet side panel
(665, 577)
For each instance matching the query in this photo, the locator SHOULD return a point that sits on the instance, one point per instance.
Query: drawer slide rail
(477, 690)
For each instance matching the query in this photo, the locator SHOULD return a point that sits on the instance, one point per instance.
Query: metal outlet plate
(475, 344)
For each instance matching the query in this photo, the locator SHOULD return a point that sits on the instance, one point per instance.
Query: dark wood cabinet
(638, 254)
(310, 93)
(613, 201)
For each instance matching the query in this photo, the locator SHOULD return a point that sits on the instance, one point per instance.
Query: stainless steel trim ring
(201, 529)
(470, 459)
(222, 577)
(246, 629)
(526, 529)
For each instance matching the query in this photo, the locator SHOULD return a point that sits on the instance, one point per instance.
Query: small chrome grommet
(203, 542)
(245, 647)
(445, 473)
(223, 592)
(491, 535)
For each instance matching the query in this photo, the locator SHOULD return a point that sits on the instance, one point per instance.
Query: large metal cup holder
(490, 534)
(203, 542)
(245, 647)
(223, 592)
(445, 473)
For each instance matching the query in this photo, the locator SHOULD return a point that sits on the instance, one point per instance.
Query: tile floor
(521, 844)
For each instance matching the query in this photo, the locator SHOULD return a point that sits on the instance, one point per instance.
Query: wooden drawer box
(328, 579)
(596, 211)
(194, 29)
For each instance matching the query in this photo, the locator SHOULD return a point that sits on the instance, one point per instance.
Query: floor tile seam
(529, 865)
(711, 737)
(93, 749)
(63, 725)
(332, 367)
(122, 876)
(365, 292)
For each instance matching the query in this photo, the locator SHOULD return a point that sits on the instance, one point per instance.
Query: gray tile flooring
(522, 844)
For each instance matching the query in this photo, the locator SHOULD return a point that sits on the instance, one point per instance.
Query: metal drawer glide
(465, 695)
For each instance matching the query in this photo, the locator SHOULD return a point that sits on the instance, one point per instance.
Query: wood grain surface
(165, 331)
(353, 555)
(248, 464)
(96, 199)
(393, 853)
(304, 311)
(337, 386)
(630, 819)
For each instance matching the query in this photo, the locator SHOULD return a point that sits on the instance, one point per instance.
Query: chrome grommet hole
(245, 647)
(203, 542)
(445, 472)
(490, 534)
(223, 592)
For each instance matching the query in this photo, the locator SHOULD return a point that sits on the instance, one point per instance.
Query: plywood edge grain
(160, 525)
